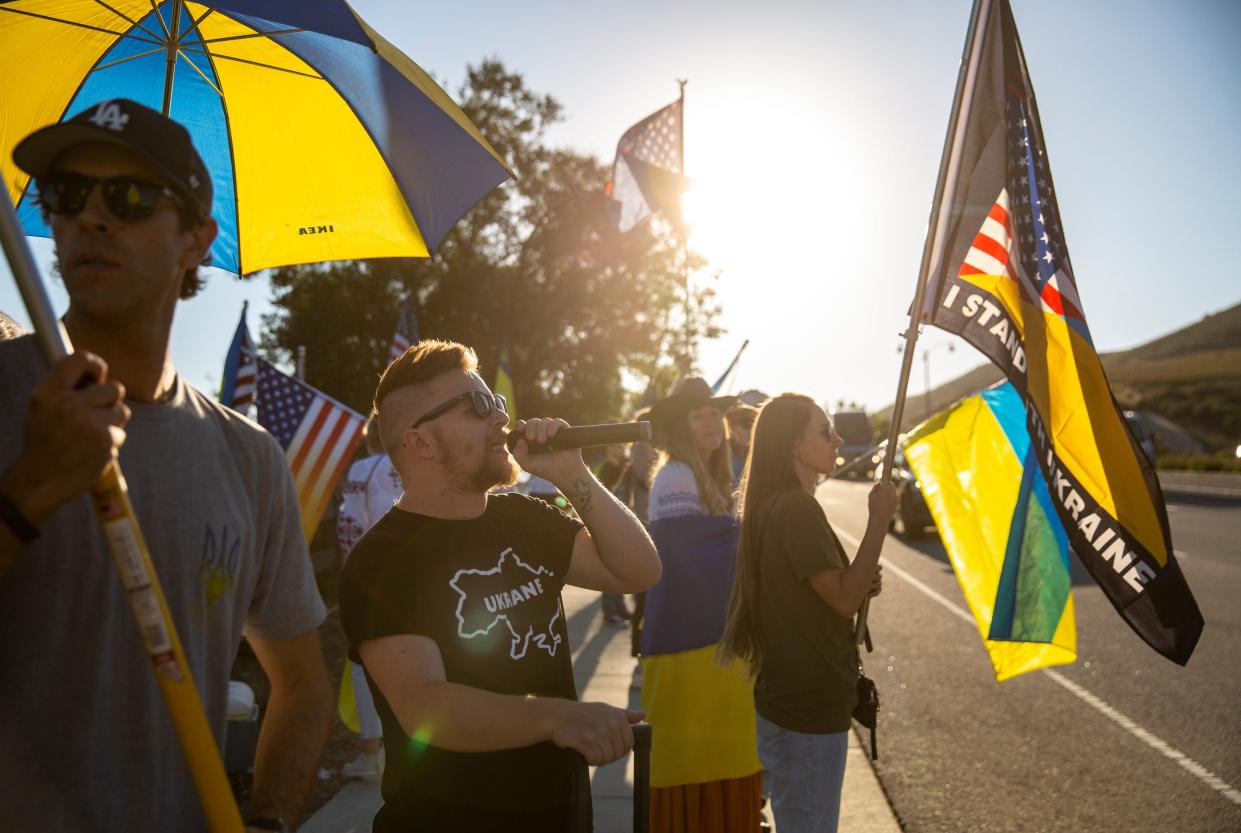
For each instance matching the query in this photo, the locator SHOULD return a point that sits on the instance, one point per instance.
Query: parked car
(1142, 433)
(859, 440)
(912, 517)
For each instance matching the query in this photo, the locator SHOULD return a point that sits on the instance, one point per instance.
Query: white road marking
(1128, 724)
(1181, 553)
(1188, 764)
(1222, 491)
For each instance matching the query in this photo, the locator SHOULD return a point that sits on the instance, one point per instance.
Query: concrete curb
(603, 669)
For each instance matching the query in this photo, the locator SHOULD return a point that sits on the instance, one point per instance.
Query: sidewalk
(603, 670)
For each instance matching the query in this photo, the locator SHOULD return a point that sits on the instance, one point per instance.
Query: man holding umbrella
(87, 743)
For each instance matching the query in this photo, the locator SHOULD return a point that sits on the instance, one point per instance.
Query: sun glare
(786, 210)
(761, 203)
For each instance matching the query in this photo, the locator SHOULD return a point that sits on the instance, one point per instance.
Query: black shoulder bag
(866, 712)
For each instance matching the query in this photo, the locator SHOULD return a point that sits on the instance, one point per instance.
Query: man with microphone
(452, 604)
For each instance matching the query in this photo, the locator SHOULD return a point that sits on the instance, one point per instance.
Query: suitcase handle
(641, 777)
(641, 783)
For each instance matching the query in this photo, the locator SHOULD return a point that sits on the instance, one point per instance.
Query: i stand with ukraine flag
(1022, 473)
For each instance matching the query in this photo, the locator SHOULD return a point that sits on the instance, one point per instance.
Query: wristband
(17, 523)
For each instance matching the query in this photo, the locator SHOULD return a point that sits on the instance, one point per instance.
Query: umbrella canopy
(323, 140)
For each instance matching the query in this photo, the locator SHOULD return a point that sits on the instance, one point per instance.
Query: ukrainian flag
(976, 466)
(701, 712)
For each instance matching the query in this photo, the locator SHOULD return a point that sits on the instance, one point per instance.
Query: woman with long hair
(794, 595)
(705, 774)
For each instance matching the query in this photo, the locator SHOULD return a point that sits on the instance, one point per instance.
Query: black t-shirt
(808, 680)
(487, 591)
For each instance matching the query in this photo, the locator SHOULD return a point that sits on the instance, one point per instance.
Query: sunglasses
(484, 403)
(127, 197)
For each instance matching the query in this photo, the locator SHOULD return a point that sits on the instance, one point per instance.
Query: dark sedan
(912, 517)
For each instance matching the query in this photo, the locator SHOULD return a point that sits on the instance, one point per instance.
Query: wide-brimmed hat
(689, 394)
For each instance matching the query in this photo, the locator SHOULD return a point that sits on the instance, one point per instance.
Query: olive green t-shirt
(808, 679)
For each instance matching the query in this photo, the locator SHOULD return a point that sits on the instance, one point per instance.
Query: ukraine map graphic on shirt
(508, 593)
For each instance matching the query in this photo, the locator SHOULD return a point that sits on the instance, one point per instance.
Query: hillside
(1191, 377)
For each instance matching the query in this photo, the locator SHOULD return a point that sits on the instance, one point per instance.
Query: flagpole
(110, 496)
(681, 82)
(932, 249)
(719, 383)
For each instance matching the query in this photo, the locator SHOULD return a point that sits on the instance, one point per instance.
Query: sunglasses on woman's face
(126, 197)
(484, 403)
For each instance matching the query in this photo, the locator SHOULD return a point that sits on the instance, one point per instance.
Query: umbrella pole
(174, 43)
(116, 517)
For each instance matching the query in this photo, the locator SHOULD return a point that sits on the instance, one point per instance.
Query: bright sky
(813, 133)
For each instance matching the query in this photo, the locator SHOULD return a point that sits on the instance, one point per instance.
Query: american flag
(240, 370)
(656, 139)
(646, 175)
(406, 334)
(317, 433)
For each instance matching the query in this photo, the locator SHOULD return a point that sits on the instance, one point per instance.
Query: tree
(537, 267)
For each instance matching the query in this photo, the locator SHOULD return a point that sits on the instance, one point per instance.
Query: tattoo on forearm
(580, 495)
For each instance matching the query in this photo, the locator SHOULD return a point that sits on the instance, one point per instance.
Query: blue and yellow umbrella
(324, 141)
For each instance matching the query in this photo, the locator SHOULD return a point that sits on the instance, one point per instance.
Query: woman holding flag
(793, 598)
(705, 774)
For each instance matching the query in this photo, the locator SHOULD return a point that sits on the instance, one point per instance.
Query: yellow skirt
(702, 719)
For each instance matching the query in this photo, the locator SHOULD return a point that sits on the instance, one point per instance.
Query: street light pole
(926, 380)
(926, 367)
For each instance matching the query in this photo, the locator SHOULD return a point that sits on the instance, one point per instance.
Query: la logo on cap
(108, 114)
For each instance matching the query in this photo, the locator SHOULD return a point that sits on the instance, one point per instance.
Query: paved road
(1122, 740)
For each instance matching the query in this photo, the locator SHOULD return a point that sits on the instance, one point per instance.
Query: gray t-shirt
(86, 743)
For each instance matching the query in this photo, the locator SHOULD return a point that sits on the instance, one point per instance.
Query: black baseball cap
(118, 121)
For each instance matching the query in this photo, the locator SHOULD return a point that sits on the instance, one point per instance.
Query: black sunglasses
(127, 197)
(484, 403)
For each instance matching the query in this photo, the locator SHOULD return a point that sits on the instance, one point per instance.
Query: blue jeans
(807, 772)
(368, 718)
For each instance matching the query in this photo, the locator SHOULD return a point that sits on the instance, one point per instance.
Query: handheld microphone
(585, 436)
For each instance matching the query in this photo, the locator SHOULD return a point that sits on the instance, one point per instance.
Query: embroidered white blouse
(674, 494)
